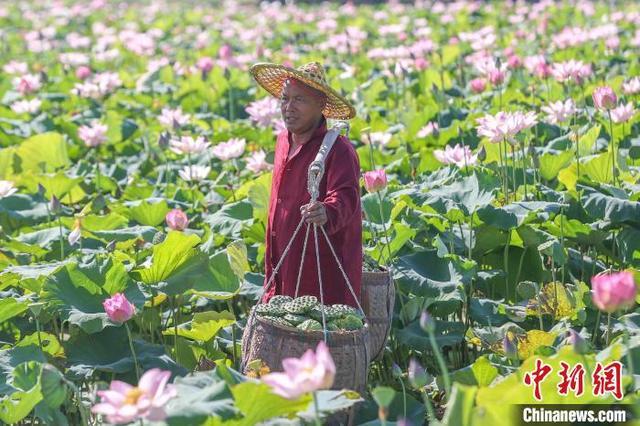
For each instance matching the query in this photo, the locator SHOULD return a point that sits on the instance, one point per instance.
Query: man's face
(301, 106)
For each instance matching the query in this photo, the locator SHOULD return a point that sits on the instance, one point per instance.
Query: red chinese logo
(605, 379)
(608, 379)
(571, 380)
(536, 377)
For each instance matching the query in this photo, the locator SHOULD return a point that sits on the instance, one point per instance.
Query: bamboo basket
(377, 297)
(271, 343)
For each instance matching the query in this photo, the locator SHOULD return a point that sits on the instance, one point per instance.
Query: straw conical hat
(272, 77)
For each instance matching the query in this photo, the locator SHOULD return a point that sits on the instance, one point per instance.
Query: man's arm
(342, 199)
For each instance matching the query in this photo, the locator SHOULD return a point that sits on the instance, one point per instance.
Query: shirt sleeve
(342, 198)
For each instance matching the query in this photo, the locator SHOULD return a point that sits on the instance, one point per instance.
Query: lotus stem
(133, 351)
(441, 364)
(613, 148)
(233, 334)
(524, 172)
(629, 358)
(513, 171)
(594, 336)
(505, 257)
(430, 410)
(384, 227)
(404, 399)
(61, 239)
(608, 328)
(316, 410)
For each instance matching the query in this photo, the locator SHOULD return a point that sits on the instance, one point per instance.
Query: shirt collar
(317, 134)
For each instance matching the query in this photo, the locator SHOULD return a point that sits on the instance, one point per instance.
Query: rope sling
(315, 174)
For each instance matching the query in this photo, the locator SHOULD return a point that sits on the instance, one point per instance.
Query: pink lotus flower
(631, 87)
(375, 180)
(26, 106)
(612, 43)
(123, 403)
(622, 113)
(459, 155)
(613, 291)
(533, 61)
(478, 85)
(189, 145)
(205, 64)
(504, 125)
(94, 134)
(264, 112)
(118, 308)
(420, 63)
(174, 118)
(570, 70)
(233, 148)
(97, 87)
(107, 82)
(83, 72)
(6, 188)
(542, 71)
(429, 129)
(15, 67)
(257, 162)
(514, 62)
(559, 111)
(177, 220)
(604, 98)
(27, 83)
(226, 58)
(311, 372)
(378, 138)
(496, 77)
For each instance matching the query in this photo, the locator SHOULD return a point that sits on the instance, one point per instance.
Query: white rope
(324, 321)
(284, 254)
(304, 250)
(344, 274)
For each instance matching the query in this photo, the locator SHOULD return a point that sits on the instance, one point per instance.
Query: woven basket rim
(318, 333)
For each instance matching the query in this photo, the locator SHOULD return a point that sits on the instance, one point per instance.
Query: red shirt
(340, 193)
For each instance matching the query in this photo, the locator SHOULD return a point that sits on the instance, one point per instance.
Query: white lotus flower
(6, 188)
(26, 106)
(233, 148)
(189, 145)
(173, 117)
(194, 173)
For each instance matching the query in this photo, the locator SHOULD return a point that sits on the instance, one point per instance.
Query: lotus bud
(510, 348)
(54, 205)
(163, 140)
(417, 375)
(579, 344)
(427, 323)
(396, 370)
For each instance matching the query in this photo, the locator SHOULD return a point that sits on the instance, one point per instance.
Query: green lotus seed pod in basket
(350, 322)
(279, 321)
(295, 319)
(309, 325)
(270, 310)
(279, 300)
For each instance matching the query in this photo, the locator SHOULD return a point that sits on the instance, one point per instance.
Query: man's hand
(314, 213)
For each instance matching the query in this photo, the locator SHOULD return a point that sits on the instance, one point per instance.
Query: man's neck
(302, 138)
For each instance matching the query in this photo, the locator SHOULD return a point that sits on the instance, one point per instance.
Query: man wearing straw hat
(306, 102)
